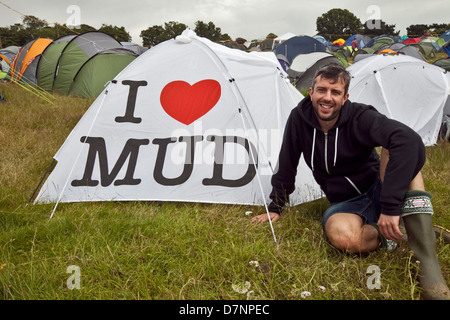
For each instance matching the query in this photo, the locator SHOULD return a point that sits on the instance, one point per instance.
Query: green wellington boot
(417, 217)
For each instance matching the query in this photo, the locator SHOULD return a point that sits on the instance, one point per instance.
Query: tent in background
(7, 56)
(446, 48)
(403, 88)
(76, 53)
(323, 40)
(302, 70)
(25, 64)
(138, 49)
(444, 63)
(48, 63)
(299, 45)
(361, 40)
(411, 51)
(93, 76)
(446, 36)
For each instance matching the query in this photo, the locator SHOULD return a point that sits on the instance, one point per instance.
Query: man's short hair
(333, 71)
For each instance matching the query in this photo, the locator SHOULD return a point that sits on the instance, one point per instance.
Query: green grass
(174, 251)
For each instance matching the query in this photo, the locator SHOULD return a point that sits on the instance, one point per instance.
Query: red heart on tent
(186, 103)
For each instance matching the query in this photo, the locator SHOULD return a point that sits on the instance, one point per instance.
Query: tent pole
(257, 175)
(40, 182)
(78, 156)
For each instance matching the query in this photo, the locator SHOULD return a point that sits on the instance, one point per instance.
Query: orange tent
(2, 57)
(340, 42)
(387, 51)
(26, 56)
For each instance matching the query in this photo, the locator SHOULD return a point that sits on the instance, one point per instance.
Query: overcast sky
(250, 19)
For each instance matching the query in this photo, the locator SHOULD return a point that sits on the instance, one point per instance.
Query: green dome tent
(48, 63)
(95, 73)
(76, 53)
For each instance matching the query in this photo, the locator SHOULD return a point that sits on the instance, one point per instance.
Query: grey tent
(304, 66)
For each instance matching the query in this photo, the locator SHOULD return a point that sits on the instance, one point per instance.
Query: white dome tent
(188, 120)
(403, 88)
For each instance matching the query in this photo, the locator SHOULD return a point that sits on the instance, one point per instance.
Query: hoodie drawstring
(335, 147)
(314, 144)
(312, 152)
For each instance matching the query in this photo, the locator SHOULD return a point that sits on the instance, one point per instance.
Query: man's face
(327, 98)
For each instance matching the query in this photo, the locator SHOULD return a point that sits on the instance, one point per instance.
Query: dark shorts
(366, 205)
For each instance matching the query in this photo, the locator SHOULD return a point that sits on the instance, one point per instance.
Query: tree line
(341, 23)
(334, 24)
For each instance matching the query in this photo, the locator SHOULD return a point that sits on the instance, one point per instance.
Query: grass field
(175, 251)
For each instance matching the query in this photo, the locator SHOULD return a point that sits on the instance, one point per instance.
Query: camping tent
(411, 51)
(403, 88)
(96, 72)
(322, 39)
(77, 51)
(446, 36)
(304, 66)
(48, 63)
(7, 56)
(433, 41)
(411, 40)
(443, 63)
(26, 57)
(233, 44)
(282, 38)
(188, 120)
(299, 45)
(446, 48)
(426, 49)
(138, 49)
(361, 40)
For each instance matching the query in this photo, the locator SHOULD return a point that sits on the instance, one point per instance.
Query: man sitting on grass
(367, 195)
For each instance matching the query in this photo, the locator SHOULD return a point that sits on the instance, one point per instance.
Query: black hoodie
(344, 161)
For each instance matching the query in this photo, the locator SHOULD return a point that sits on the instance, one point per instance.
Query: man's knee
(345, 241)
(343, 232)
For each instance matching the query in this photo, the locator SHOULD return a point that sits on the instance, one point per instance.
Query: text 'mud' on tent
(188, 120)
(403, 88)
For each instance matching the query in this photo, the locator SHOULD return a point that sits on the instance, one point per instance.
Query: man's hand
(263, 217)
(389, 227)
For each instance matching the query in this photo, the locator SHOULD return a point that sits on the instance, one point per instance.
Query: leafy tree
(240, 40)
(338, 23)
(173, 29)
(209, 31)
(271, 36)
(83, 28)
(152, 36)
(14, 35)
(379, 27)
(439, 28)
(157, 34)
(225, 37)
(32, 23)
(418, 30)
(120, 34)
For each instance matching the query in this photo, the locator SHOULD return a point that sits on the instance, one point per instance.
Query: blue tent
(323, 40)
(299, 45)
(362, 40)
(446, 35)
(446, 48)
